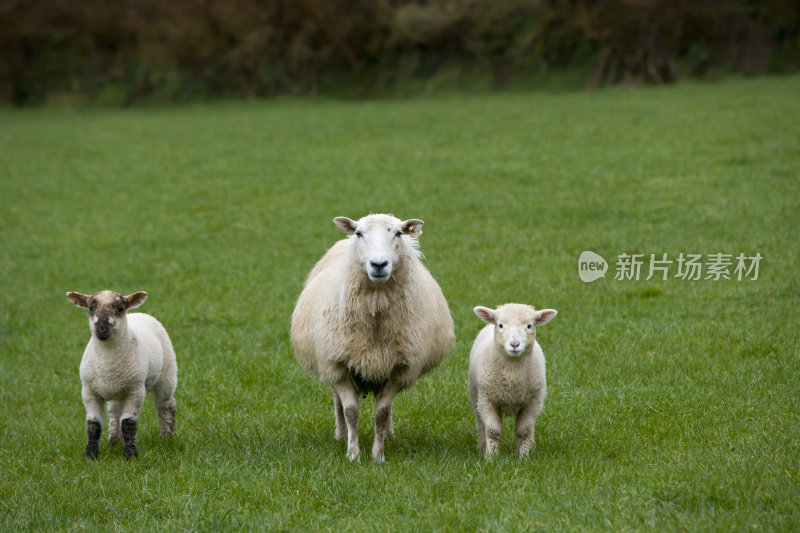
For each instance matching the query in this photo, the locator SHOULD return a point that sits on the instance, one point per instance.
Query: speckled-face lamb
(507, 374)
(127, 356)
(371, 319)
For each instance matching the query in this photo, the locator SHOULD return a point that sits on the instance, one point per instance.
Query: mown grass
(673, 405)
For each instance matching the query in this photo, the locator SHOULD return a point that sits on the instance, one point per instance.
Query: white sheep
(371, 319)
(127, 356)
(507, 374)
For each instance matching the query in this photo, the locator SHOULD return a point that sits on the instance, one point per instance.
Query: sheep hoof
(93, 430)
(130, 451)
(113, 440)
(524, 453)
(353, 454)
(380, 458)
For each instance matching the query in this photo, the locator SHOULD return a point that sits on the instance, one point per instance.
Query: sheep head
(378, 240)
(515, 326)
(107, 310)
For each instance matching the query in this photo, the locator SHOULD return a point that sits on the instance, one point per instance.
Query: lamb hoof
(113, 440)
(92, 452)
(353, 454)
(129, 438)
(130, 451)
(380, 458)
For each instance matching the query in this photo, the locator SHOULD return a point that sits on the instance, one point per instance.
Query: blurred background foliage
(127, 51)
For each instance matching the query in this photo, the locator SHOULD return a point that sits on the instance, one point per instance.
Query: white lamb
(371, 319)
(507, 374)
(127, 356)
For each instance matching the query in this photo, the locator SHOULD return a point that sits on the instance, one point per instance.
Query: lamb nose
(514, 344)
(377, 265)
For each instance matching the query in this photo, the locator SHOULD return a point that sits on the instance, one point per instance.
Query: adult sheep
(371, 319)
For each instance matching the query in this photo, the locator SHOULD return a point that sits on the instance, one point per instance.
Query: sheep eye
(530, 326)
(500, 326)
(359, 234)
(398, 234)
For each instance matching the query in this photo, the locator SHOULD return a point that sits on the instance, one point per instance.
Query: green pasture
(674, 405)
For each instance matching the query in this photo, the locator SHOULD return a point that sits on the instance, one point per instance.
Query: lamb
(127, 356)
(507, 374)
(371, 319)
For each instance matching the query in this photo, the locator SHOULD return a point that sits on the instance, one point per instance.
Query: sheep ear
(544, 316)
(345, 224)
(412, 227)
(79, 299)
(136, 299)
(485, 314)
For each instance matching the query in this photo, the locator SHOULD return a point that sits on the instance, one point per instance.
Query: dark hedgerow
(123, 52)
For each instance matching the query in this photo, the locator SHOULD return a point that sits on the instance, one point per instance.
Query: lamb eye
(398, 234)
(500, 326)
(530, 326)
(359, 234)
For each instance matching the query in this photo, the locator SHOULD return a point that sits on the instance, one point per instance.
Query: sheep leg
(481, 430)
(93, 430)
(129, 426)
(493, 427)
(94, 422)
(166, 418)
(114, 411)
(165, 407)
(349, 398)
(341, 428)
(383, 420)
(390, 424)
(526, 441)
(129, 421)
(164, 392)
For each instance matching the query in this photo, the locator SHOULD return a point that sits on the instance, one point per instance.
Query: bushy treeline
(183, 48)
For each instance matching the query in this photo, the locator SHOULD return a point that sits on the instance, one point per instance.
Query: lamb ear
(544, 316)
(412, 227)
(345, 224)
(78, 299)
(485, 314)
(136, 299)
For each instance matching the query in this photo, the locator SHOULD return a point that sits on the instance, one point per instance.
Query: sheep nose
(379, 265)
(514, 344)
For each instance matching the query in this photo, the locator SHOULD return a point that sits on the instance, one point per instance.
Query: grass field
(673, 404)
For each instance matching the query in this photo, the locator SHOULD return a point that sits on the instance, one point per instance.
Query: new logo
(591, 266)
